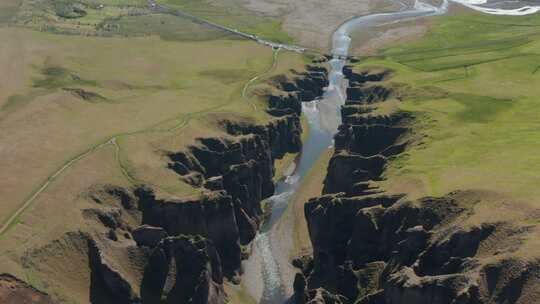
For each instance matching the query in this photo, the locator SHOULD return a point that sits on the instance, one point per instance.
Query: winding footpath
(256, 78)
(182, 121)
(13, 218)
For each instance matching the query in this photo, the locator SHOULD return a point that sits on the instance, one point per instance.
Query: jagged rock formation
(114, 285)
(373, 248)
(149, 236)
(212, 216)
(364, 143)
(184, 269)
(140, 247)
(321, 296)
(306, 86)
(360, 93)
(300, 289)
(237, 170)
(356, 79)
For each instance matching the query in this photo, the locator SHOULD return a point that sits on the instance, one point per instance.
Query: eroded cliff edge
(370, 246)
(143, 246)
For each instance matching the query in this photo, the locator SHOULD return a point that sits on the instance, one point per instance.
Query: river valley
(270, 251)
(270, 152)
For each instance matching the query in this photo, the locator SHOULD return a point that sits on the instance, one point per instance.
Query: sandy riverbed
(312, 22)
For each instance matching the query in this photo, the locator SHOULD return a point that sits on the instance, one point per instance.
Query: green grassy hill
(473, 84)
(81, 111)
(135, 18)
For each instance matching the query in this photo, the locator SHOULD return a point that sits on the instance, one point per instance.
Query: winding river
(268, 277)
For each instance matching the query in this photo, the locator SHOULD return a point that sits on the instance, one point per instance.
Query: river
(268, 277)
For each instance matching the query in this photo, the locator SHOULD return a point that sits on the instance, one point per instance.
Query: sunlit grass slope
(230, 13)
(63, 95)
(473, 84)
(136, 18)
(80, 111)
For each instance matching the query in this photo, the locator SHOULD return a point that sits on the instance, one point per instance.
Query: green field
(61, 99)
(134, 18)
(79, 112)
(229, 13)
(473, 85)
(167, 27)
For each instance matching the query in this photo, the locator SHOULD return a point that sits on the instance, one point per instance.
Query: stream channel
(268, 275)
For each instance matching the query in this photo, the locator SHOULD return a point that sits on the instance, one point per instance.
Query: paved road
(153, 5)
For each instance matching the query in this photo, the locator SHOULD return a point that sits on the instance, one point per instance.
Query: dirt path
(254, 79)
(312, 22)
(13, 219)
(182, 121)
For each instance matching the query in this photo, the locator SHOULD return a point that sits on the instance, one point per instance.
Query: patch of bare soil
(367, 43)
(15, 291)
(312, 22)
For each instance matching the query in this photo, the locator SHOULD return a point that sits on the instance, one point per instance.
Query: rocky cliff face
(183, 269)
(305, 86)
(374, 248)
(138, 246)
(143, 248)
(237, 173)
(212, 216)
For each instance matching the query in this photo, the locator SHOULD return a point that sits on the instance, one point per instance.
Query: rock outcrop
(374, 248)
(148, 236)
(236, 172)
(181, 269)
(184, 269)
(183, 248)
(111, 280)
(212, 216)
(306, 86)
(142, 246)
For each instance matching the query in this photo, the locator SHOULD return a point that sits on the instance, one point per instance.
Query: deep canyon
(375, 238)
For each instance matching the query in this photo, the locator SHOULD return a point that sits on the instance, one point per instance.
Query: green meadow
(481, 129)
(134, 18)
(80, 110)
(229, 13)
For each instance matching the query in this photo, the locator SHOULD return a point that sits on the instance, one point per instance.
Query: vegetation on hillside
(480, 131)
(231, 14)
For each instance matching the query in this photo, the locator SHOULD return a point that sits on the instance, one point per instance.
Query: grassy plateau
(82, 110)
(135, 18)
(473, 85)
